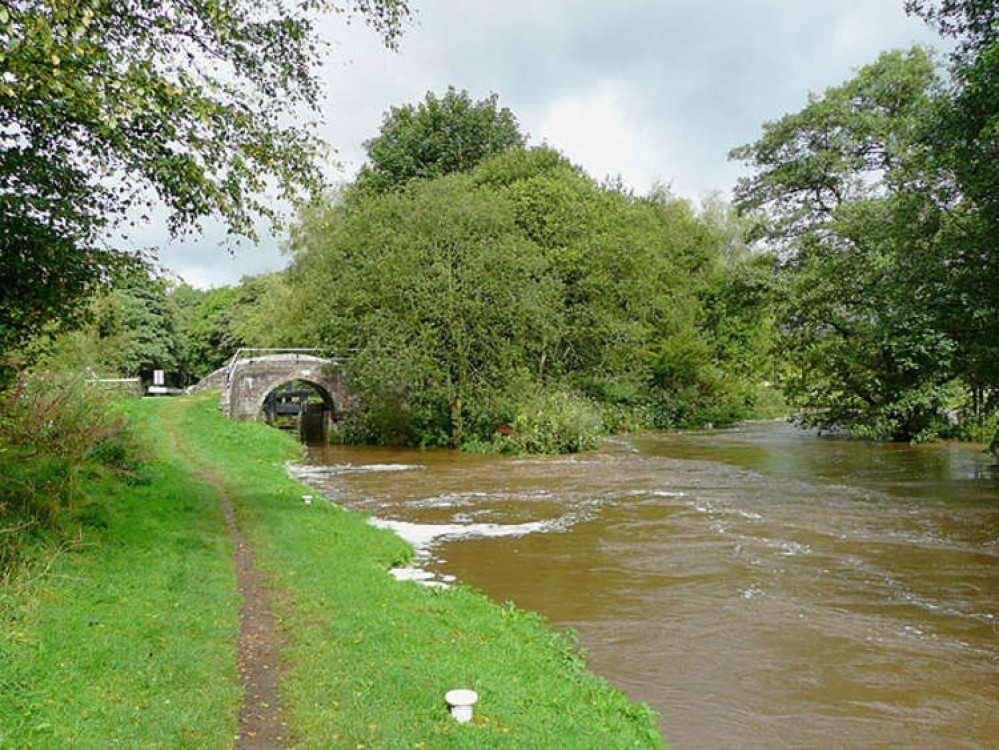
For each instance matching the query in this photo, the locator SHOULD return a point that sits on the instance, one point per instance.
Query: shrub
(557, 422)
(618, 417)
(53, 429)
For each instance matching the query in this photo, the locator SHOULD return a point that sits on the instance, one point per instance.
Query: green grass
(128, 639)
(369, 658)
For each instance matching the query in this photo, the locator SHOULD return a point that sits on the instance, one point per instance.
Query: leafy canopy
(110, 105)
(521, 294)
(886, 254)
(437, 137)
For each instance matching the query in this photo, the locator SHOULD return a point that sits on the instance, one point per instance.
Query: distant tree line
(497, 296)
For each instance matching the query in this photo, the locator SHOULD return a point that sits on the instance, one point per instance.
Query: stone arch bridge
(253, 374)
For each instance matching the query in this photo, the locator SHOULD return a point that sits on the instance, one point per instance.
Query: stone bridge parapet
(253, 373)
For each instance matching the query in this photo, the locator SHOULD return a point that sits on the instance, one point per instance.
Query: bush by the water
(557, 422)
(54, 429)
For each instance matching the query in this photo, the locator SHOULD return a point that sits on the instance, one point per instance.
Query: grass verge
(125, 638)
(139, 652)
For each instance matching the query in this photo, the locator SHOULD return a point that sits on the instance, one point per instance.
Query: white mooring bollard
(461, 702)
(307, 499)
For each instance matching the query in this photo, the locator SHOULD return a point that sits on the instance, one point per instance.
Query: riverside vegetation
(148, 586)
(518, 307)
(495, 297)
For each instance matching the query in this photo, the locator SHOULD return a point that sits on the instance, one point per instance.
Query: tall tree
(446, 301)
(471, 296)
(848, 192)
(130, 330)
(966, 139)
(109, 105)
(437, 137)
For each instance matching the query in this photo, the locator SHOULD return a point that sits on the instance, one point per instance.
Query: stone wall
(212, 381)
(252, 379)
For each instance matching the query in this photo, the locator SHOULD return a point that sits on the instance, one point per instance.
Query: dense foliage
(498, 298)
(110, 106)
(53, 430)
(885, 254)
(437, 137)
(523, 306)
(965, 140)
(147, 323)
(127, 331)
(214, 324)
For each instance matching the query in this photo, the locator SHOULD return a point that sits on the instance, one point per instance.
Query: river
(760, 586)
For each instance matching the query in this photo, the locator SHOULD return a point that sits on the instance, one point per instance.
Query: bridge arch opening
(252, 376)
(302, 405)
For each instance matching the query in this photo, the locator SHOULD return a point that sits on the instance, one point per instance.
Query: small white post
(307, 499)
(461, 702)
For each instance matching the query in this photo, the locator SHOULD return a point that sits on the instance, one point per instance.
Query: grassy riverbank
(126, 637)
(134, 640)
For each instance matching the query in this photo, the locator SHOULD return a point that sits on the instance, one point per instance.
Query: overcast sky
(656, 90)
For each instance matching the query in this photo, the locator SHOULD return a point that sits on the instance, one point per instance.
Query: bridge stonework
(249, 381)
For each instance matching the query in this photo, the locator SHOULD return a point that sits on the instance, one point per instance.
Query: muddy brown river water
(759, 586)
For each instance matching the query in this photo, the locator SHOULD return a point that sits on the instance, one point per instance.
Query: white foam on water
(423, 536)
(386, 467)
(418, 575)
(372, 468)
(411, 574)
(749, 515)
(449, 500)
(305, 471)
(783, 548)
(652, 493)
(309, 471)
(712, 508)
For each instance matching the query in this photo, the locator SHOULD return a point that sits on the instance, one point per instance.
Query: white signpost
(158, 387)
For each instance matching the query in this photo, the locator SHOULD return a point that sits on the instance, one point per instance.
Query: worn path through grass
(259, 646)
(370, 658)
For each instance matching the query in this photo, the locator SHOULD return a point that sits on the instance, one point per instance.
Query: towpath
(259, 646)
